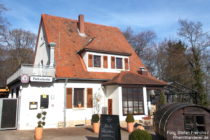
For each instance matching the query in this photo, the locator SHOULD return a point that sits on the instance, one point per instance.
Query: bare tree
(3, 24)
(16, 47)
(140, 41)
(197, 41)
(21, 45)
(143, 44)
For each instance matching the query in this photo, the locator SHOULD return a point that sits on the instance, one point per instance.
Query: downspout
(64, 108)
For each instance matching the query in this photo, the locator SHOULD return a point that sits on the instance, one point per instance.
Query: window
(119, 63)
(97, 61)
(132, 100)
(194, 123)
(75, 97)
(78, 97)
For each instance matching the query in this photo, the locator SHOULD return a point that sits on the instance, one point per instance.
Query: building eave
(103, 51)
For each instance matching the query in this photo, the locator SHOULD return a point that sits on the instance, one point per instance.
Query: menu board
(44, 101)
(109, 128)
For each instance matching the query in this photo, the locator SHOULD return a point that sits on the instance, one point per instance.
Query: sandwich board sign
(109, 128)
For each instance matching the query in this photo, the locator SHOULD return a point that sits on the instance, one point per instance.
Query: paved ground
(56, 134)
(73, 133)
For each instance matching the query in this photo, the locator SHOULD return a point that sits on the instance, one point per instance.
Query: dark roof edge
(103, 51)
(83, 79)
(147, 85)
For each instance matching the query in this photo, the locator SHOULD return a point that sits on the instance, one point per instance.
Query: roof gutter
(84, 79)
(103, 51)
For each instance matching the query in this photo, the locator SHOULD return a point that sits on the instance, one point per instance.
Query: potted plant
(95, 123)
(79, 104)
(40, 124)
(129, 120)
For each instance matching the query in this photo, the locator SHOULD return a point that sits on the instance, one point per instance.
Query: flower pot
(79, 105)
(96, 127)
(38, 133)
(130, 127)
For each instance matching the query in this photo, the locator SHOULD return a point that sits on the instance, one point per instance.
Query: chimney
(81, 24)
(143, 71)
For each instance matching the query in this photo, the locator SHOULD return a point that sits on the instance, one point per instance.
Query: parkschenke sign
(40, 79)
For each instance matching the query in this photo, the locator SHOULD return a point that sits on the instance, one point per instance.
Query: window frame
(194, 123)
(73, 103)
(116, 61)
(94, 56)
(140, 101)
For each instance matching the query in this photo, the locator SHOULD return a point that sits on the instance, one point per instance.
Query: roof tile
(64, 32)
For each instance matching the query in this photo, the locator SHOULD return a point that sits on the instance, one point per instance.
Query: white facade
(115, 93)
(58, 116)
(57, 113)
(42, 50)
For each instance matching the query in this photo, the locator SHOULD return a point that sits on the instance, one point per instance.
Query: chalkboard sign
(109, 128)
(44, 101)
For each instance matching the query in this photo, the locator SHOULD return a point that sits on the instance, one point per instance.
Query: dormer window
(103, 62)
(97, 61)
(119, 63)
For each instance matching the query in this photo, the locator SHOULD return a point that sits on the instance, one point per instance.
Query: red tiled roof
(69, 64)
(130, 78)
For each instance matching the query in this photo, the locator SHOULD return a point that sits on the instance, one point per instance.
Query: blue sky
(160, 16)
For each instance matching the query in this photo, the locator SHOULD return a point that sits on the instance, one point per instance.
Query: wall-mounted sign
(33, 105)
(24, 78)
(44, 101)
(40, 79)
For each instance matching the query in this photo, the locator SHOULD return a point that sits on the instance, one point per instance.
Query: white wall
(42, 50)
(31, 93)
(86, 113)
(115, 93)
(55, 113)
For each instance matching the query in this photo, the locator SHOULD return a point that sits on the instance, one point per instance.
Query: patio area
(73, 133)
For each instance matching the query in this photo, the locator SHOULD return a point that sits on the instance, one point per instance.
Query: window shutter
(89, 98)
(69, 98)
(105, 62)
(113, 62)
(90, 60)
(126, 63)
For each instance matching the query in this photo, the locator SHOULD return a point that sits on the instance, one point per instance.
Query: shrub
(41, 118)
(162, 99)
(95, 118)
(129, 118)
(140, 135)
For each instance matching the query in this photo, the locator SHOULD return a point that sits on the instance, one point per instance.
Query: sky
(160, 16)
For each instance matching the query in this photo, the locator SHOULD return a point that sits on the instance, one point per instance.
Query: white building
(80, 69)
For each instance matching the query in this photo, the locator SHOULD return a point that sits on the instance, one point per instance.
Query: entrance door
(110, 106)
(8, 113)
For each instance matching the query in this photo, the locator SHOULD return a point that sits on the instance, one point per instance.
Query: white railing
(32, 70)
